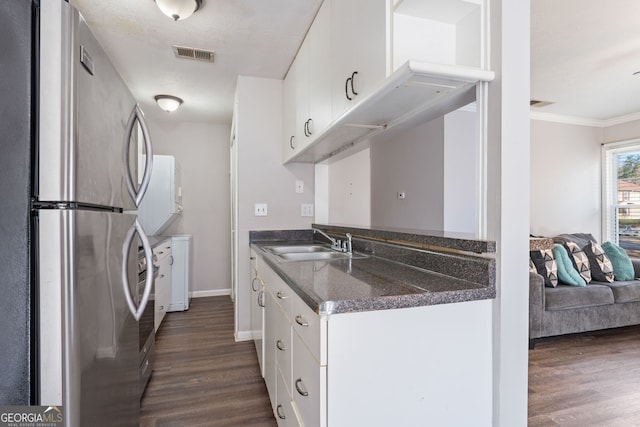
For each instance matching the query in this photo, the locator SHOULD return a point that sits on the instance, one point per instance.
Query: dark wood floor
(202, 377)
(588, 379)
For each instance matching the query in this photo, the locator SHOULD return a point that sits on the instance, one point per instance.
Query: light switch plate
(261, 209)
(306, 209)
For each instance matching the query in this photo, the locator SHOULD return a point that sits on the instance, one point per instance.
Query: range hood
(415, 93)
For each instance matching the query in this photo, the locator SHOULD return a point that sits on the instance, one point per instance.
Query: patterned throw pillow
(601, 267)
(580, 260)
(532, 266)
(546, 266)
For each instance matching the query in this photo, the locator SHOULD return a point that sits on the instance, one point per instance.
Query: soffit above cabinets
(415, 93)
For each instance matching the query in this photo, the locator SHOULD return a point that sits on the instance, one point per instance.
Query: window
(621, 195)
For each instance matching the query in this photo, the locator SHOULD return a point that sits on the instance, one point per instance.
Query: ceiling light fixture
(168, 103)
(178, 9)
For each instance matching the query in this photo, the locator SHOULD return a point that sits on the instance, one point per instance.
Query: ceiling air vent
(192, 53)
(536, 103)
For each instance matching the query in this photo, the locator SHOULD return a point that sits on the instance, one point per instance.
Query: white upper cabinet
(359, 51)
(289, 115)
(308, 87)
(319, 72)
(367, 66)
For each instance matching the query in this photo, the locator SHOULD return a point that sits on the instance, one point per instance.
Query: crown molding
(582, 121)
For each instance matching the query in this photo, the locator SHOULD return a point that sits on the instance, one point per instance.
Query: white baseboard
(244, 335)
(212, 293)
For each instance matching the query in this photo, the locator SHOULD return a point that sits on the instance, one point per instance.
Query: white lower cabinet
(162, 294)
(309, 386)
(400, 367)
(285, 415)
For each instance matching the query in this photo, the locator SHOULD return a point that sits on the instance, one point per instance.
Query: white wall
(202, 149)
(412, 162)
(565, 178)
(460, 204)
(262, 178)
(350, 190)
(621, 132)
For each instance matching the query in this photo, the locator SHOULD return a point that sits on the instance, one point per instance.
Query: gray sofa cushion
(564, 297)
(580, 239)
(624, 290)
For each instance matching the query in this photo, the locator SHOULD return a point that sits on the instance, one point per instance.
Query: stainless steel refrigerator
(69, 294)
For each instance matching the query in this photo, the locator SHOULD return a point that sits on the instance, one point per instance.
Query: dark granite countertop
(373, 282)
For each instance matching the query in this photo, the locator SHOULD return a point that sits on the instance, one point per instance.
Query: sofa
(566, 309)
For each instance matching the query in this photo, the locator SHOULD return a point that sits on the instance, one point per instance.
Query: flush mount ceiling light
(168, 103)
(178, 9)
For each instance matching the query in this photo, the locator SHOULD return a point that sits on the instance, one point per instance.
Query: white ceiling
(249, 37)
(583, 52)
(583, 56)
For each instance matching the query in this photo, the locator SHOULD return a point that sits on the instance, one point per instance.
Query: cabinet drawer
(285, 415)
(309, 386)
(311, 328)
(281, 292)
(162, 250)
(283, 346)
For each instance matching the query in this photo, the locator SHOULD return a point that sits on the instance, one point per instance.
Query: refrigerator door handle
(148, 283)
(137, 114)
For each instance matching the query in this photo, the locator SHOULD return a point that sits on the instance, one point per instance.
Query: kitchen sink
(298, 249)
(312, 252)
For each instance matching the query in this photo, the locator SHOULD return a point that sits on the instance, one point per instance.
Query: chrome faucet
(337, 244)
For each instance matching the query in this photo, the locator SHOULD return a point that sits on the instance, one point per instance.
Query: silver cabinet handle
(300, 320)
(300, 388)
(148, 283)
(261, 299)
(280, 345)
(253, 287)
(170, 259)
(281, 295)
(137, 114)
(291, 140)
(279, 412)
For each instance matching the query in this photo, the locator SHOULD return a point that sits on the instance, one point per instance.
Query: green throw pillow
(567, 274)
(622, 266)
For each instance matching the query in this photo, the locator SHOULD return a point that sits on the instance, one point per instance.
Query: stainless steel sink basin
(298, 249)
(313, 256)
(311, 252)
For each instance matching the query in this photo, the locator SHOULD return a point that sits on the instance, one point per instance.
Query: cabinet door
(162, 285)
(285, 416)
(271, 312)
(301, 65)
(319, 77)
(289, 120)
(359, 50)
(257, 317)
(309, 386)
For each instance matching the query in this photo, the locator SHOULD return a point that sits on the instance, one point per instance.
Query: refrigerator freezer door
(84, 109)
(89, 339)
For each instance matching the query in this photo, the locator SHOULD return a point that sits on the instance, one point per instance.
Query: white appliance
(163, 201)
(71, 303)
(180, 272)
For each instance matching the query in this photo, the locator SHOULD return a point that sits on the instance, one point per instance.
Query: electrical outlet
(299, 186)
(306, 209)
(401, 195)
(261, 209)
